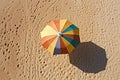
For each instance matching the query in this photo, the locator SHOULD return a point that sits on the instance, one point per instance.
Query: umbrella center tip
(60, 34)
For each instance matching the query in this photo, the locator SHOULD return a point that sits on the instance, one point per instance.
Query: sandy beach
(22, 57)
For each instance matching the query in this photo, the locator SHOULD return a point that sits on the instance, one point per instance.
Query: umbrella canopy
(60, 37)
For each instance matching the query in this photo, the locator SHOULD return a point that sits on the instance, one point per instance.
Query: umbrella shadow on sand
(89, 57)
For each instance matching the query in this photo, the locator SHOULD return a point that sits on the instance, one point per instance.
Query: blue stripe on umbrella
(72, 41)
(57, 47)
(71, 27)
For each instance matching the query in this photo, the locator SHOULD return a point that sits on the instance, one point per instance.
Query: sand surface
(23, 58)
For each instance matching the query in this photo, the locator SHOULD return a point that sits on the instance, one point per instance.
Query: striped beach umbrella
(60, 37)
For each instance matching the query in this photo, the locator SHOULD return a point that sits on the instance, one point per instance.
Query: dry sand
(23, 58)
